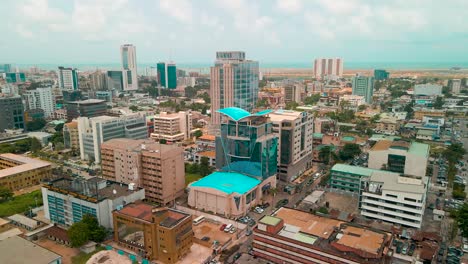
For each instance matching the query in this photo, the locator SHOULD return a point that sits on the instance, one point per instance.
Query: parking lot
(341, 201)
(208, 231)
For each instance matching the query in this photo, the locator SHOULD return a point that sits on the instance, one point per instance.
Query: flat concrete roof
(269, 220)
(280, 115)
(353, 169)
(394, 182)
(360, 238)
(24, 164)
(16, 250)
(419, 149)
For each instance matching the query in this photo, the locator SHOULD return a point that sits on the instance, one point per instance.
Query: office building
(17, 250)
(71, 136)
(98, 81)
(158, 168)
(393, 198)
(246, 156)
(68, 78)
(293, 236)
(4, 68)
(234, 83)
(85, 108)
(363, 86)
(354, 101)
(167, 75)
(157, 234)
(40, 98)
(71, 95)
(328, 68)
(94, 131)
(15, 77)
(380, 75)
(293, 92)
(67, 200)
(129, 67)
(18, 172)
(455, 86)
(409, 158)
(31, 114)
(428, 89)
(172, 127)
(12, 116)
(104, 95)
(115, 81)
(294, 130)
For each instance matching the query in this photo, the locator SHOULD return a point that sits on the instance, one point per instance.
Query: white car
(258, 210)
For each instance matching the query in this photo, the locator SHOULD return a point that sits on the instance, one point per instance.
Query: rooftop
(207, 138)
(419, 149)
(280, 115)
(136, 145)
(237, 114)
(353, 169)
(145, 212)
(360, 238)
(269, 220)
(394, 182)
(16, 250)
(317, 135)
(19, 218)
(211, 154)
(88, 101)
(23, 164)
(425, 132)
(140, 211)
(227, 182)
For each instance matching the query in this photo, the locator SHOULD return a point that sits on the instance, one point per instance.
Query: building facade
(40, 98)
(328, 68)
(18, 172)
(295, 130)
(93, 132)
(71, 136)
(167, 74)
(98, 81)
(234, 83)
(129, 67)
(428, 89)
(293, 92)
(158, 168)
(12, 116)
(455, 86)
(68, 78)
(115, 81)
(162, 234)
(66, 200)
(86, 108)
(363, 86)
(380, 75)
(172, 127)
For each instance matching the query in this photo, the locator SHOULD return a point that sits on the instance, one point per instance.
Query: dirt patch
(66, 252)
(341, 201)
(211, 230)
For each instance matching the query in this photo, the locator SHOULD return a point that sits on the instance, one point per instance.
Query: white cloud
(289, 6)
(23, 31)
(179, 9)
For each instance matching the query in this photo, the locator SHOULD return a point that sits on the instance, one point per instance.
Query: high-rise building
(294, 131)
(12, 109)
(129, 67)
(158, 168)
(85, 108)
(115, 80)
(167, 74)
(162, 234)
(4, 68)
(41, 98)
(70, 136)
(98, 81)
(455, 86)
(293, 92)
(172, 127)
(15, 77)
(71, 95)
(234, 83)
(67, 78)
(94, 131)
(328, 68)
(363, 86)
(380, 75)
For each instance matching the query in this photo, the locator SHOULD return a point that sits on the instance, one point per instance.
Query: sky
(91, 31)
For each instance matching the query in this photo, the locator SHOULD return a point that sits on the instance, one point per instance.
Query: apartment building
(67, 200)
(158, 168)
(40, 98)
(409, 158)
(420, 113)
(172, 127)
(328, 68)
(71, 136)
(68, 78)
(393, 198)
(293, 236)
(388, 124)
(162, 234)
(18, 172)
(354, 101)
(12, 112)
(295, 131)
(94, 131)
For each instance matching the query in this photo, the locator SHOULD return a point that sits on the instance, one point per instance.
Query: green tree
(162, 141)
(262, 103)
(312, 100)
(439, 102)
(349, 151)
(362, 107)
(204, 167)
(198, 133)
(97, 233)
(36, 124)
(462, 219)
(78, 234)
(291, 106)
(5, 194)
(134, 108)
(59, 127)
(191, 92)
(35, 145)
(325, 154)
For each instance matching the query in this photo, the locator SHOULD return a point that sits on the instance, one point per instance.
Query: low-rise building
(19, 250)
(172, 127)
(428, 89)
(426, 134)
(388, 124)
(354, 101)
(162, 234)
(210, 155)
(86, 108)
(18, 172)
(66, 200)
(348, 178)
(293, 236)
(420, 113)
(206, 142)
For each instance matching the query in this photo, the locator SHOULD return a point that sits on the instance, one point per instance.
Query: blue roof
(236, 113)
(227, 182)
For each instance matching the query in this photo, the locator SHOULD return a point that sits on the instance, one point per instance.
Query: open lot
(21, 203)
(66, 252)
(211, 230)
(341, 201)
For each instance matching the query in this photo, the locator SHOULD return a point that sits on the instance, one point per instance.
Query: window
(391, 195)
(410, 199)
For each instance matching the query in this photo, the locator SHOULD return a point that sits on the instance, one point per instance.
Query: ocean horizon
(267, 65)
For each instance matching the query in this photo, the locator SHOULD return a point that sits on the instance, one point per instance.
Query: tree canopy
(86, 229)
(349, 151)
(36, 124)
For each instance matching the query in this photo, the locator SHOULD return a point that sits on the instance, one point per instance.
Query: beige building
(419, 113)
(172, 127)
(388, 124)
(18, 172)
(158, 168)
(71, 136)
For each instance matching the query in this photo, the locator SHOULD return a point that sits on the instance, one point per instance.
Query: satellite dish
(114, 192)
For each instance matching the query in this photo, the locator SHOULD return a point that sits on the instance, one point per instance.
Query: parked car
(248, 232)
(205, 238)
(233, 230)
(282, 203)
(222, 227)
(411, 249)
(237, 256)
(258, 210)
(265, 205)
(252, 223)
(404, 250)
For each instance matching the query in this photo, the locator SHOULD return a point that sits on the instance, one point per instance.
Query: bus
(198, 220)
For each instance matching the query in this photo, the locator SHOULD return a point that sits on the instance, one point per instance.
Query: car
(309, 182)
(248, 232)
(282, 203)
(252, 223)
(237, 256)
(222, 227)
(258, 210)
(265, 205)
(404, 250)
(411, 249)
(205, 238)
(233, 230)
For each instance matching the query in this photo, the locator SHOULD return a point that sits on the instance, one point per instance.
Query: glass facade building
(167, 75)
(363, 86)
(115, 80)
(15, 77)
(380, 75)
(12, 113)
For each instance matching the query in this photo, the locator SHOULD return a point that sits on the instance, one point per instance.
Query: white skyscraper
(68, 78)
(328, 68)
(41, 98)
(129, 67)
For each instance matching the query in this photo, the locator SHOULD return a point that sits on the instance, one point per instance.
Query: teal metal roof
(419, 149)
(353, 169)
(227, 182)
(236, 113)
(317, 135)
(348, 138)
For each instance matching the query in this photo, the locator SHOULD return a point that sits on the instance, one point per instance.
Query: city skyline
(298, 31)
